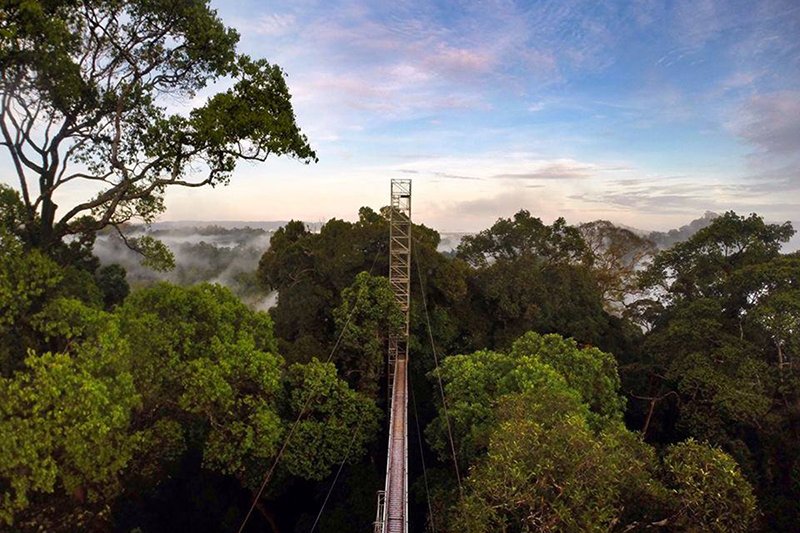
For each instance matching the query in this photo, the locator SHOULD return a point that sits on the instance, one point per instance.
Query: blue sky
(646, 113)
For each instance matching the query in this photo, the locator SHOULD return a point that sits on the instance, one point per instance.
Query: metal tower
(392, 515)
(399, 266)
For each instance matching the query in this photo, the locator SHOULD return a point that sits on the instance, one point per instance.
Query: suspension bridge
(392, 505)
(392, 514)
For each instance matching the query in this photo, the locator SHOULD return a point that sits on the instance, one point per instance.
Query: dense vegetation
(591, 392)
(590, 382)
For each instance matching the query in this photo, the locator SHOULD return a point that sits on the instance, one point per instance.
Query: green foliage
(12, 212)
(549, 451)
(94, 76)
(201, 352)
(588, 370)
(366, 318)
(155, 254)
(112, 282)
(65, 422)
(475, 383)
(530, 276)
(26, 280)
(720, 353)
(311, 271)
(128, 394)
(334, 417)
(712, 494)
(525, 236)
(546, 470)
(700, 266)
(79, 284)
(101, 407)
(234, 388)
(205, 359)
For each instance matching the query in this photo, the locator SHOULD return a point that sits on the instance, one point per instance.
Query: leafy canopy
(540, 430)
(84, 91)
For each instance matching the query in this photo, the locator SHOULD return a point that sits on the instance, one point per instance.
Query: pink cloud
(458, 61)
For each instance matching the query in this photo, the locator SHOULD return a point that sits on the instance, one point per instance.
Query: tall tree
(367, 316)
(540, 430)
(528, 275)
(525, 235)
(618, 255)
(719, 357)
(83, 89)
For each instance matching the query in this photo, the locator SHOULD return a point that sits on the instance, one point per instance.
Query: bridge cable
(422, 456)
(311, 397)
(439, 377)
(338, 472)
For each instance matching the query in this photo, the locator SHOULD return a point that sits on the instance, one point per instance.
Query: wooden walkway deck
(396, 484)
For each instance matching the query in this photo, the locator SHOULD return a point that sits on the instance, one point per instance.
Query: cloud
(501, 205)
(771, 123)
(272, 24)
(550, 172)
(509, 167)
(456, 176)
(655, 199)
(493, 103)
(561, 170)
(458, 62)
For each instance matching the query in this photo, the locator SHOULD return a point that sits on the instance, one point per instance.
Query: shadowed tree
(719, 359)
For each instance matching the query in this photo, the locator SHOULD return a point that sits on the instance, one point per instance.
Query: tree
(526, 276)
(618, 255)
(336, 418)
(209, 363)
(522, 236)
(510, 297)
(546, 470)
(173, 380)
(540, 430)
(26, 283)
(718, 358)
(311, 271)
(475, 383)
(367, 316)
(112, 283)
(700, 266)
(30, 283)
(66, 428)
(711, 493)
(83, 88)
(588, 370)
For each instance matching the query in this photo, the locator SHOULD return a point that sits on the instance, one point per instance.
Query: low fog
(228, 252)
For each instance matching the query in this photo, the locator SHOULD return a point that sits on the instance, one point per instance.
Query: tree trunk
(268, 516)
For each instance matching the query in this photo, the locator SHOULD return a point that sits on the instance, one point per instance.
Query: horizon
(790, 246)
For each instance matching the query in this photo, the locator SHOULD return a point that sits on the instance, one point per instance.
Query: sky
(645, 113)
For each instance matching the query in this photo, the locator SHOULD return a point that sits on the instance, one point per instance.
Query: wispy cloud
(513, 167)
(503, 204)
(640, 109)
(272, 24)
(771, 123)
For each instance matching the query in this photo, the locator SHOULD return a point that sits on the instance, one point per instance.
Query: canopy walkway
(392, 515)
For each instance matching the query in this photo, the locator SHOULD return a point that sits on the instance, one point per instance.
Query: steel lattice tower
(400, 266)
